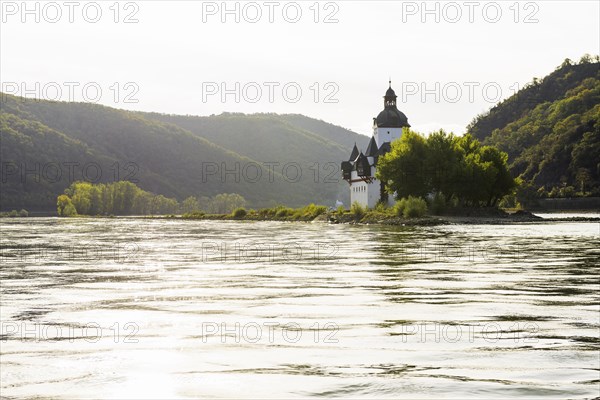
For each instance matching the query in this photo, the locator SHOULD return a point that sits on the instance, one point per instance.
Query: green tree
(119, 198)
(81, 197)
(402, 170)
(225, 203)
(451, 166)
(142, 204)
(96, 206)
(584, 178)
(500, 181)
(65, 207)
(190, 204)
(443, 163)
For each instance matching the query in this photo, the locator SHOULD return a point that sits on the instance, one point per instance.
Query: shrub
(239, 212)
(381, 207)
(265, 212)
(398, 208)
(437, 204)
(413, 207)
(13, 213)
(283, 212)
(312, 211)
(341, 210)
(410, 207)
(357, 210)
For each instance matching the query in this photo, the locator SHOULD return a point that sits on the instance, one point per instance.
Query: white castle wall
(383, 135)
(367, 194)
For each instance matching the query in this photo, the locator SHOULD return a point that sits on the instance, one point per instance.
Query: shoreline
(387, 220)
(522, 217)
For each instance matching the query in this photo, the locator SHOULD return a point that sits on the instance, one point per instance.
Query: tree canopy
(125, 198)
(447, 165)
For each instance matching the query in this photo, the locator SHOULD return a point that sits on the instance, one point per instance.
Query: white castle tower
(360, 169)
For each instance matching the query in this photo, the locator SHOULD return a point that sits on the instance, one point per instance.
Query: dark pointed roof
(361, 158)
(363, 168)
(391, 117)
(385, 147)
(372, 148)
(390, 94)
(354, 153)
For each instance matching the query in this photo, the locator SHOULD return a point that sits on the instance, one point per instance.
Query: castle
(359, 170)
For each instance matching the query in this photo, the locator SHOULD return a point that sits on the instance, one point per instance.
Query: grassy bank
(410, 212)
(281, 213)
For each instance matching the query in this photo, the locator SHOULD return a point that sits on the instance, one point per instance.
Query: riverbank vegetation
(14, 213)
(452, 170)
(279, 213)
(411, 210)
(126, 198)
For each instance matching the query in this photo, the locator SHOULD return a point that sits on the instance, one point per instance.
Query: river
(152, 308)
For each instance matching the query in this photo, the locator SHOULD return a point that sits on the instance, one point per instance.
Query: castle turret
(389, 123)
(360, 170)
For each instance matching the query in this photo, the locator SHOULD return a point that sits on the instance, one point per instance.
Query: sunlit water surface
(132, 308)
(581, 214)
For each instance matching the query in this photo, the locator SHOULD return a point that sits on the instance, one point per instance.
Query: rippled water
(131, 308)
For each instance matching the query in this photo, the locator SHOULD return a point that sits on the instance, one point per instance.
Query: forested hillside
(268, 137)
(551, 131)
(46, 146)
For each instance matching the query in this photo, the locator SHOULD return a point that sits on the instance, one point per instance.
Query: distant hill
(271, 137)
(551, 131)
(176, 156)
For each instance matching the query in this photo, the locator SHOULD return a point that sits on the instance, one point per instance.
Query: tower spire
(390, 96)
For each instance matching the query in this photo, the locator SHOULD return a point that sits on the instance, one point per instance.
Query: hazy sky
(448, 61)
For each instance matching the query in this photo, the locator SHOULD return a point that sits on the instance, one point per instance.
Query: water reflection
(130, 308)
